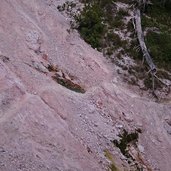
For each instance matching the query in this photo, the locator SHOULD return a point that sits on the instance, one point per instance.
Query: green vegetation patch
(91, 25)
(125, 139)
(159, 45)
(159, 15)
(96, 23)
(158, 39)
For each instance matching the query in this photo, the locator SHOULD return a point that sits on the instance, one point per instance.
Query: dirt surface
(62, 104)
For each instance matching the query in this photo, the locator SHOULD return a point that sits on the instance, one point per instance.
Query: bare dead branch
(142, 44)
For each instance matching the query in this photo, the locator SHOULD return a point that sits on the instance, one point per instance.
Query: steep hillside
(63, 106)
(110, 27)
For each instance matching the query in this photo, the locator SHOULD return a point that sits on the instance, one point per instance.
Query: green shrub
(91, 25)
(96, 23)
(160, 48)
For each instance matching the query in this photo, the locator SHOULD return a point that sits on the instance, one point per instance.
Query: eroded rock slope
(61, 106)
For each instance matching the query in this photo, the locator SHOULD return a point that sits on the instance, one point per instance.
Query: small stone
(167, 126)
(119, 126)
(95, 125)
(35, 93)
(40, 12)
(127, 117)
(2, 150)
(141, 148)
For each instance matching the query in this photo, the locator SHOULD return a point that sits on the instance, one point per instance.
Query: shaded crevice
(125, 139)
(68, 83)
(65, 79)
(5, 59)
(53, 109)
(128, 147)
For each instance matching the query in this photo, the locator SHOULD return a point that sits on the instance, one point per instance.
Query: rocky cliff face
(62, 106)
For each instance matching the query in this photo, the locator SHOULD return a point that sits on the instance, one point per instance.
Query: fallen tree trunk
(142, 44)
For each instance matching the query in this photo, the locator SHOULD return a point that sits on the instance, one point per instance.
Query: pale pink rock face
(45, 126)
